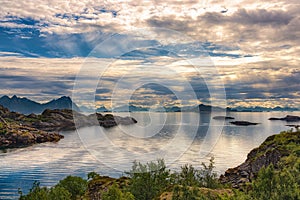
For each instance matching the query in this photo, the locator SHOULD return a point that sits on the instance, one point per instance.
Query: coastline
(18, 130)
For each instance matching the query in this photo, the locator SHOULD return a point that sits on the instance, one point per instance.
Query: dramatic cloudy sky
(152, 52)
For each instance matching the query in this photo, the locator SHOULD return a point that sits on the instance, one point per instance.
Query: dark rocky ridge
(243, 123)
(22, 130)
(271, 151)
(223, 117)
(288, 118)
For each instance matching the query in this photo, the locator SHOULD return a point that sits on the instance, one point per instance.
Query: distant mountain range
(27, 106)
(199, 108)
(263, 109)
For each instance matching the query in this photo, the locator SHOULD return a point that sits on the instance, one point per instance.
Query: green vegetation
(71, 188)
(287, 142)
(154, 181)
(75, 185)
(2, 129)
(114, 193)
(273, 183)
(37, 193)
(149, 180)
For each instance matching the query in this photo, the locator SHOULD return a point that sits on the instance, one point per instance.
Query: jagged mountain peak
(27, 106)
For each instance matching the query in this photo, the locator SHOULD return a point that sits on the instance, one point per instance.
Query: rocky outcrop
(64, 120)
(18, 130)
(13, 135)
(243, 123)
(271, 151)
(100, 184)
(288, 118)
(222, 117)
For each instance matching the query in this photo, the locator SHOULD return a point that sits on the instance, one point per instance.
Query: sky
(152, 53)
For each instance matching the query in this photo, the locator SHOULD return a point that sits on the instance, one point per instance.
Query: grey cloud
(102, 90)
(249, 17)
(102, 98)
(50, 85)
(170, 22)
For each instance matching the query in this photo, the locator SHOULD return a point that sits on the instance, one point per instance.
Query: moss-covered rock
(100, 184)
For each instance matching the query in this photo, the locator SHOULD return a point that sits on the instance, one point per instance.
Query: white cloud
(267, 31)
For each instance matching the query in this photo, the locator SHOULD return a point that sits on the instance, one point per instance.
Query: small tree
(114, 193)
(188, 176)
(93, 175)
(75, 185)
(59, 193)
(272, 184)
(148, 180)
(207, 177)
(36, 193)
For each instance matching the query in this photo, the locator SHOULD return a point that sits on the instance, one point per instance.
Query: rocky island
(223, 117)
(19, 130)
(243, 123)
(288, 118)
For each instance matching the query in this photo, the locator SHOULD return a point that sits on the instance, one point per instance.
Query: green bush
(148, 180)
(75, 185)
(59, 193)
(36, 193)
(275, 184)
(204, 177)
(114, 193)
(207, 177)
(188, 176)
(93, 175)
(271, 184)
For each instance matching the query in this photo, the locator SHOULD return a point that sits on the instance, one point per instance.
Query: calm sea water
(179, 138)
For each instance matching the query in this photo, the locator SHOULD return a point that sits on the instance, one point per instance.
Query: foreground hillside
(271, 171)
(276, 150)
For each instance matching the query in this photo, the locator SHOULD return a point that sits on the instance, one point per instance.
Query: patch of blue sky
(29, 42)
(104, 10)
(19, 20)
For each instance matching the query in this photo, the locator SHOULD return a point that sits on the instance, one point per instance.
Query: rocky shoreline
(19, 130)
(271, 151)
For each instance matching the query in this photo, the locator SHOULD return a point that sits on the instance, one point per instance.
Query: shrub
(204, 177)
(148, 180)
(75, 185)
(114, 193)
(188, 176)
(59, 193)
(36, 193)
(207, 177)
(272, 184)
